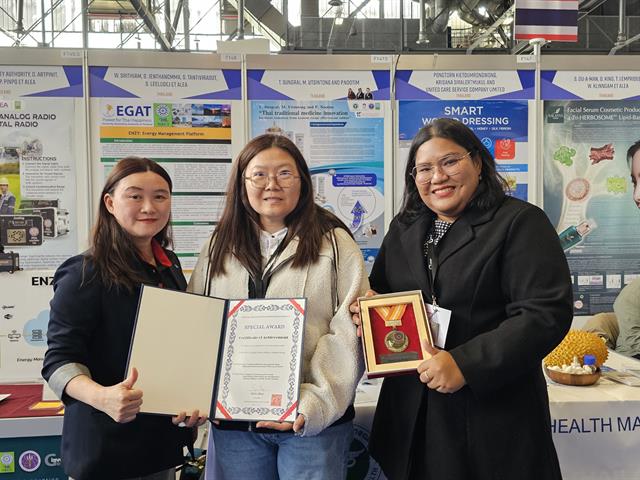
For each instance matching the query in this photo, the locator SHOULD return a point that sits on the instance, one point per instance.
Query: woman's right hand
(121, 401)
(354, 308)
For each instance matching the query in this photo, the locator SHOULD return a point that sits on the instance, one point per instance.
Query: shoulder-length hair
(112, 251)
(491, 188)
(238, 230)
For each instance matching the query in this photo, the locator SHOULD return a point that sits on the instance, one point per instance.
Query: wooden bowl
(573, 378)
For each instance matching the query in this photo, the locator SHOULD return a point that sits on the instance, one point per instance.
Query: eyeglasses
(449, 165)
(261, 179)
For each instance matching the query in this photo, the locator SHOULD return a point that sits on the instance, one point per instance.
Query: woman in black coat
(90, 327)
(478, 409)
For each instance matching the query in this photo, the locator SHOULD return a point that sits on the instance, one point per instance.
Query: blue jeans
(283, 456)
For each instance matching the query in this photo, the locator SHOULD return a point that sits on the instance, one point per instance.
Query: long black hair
(491, 188)
(112, 249)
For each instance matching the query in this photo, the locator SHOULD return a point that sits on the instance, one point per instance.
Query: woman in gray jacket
(273, 241)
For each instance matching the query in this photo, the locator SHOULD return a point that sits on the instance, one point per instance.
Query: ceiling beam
(489, 31)
(23, 33)
(626, 43)
(2, 30)
(150, 22)
(20, 21)
(171, 34)
(358, 8)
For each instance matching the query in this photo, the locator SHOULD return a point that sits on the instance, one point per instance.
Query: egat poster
(182, 119)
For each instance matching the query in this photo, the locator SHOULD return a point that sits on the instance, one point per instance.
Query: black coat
(92, 325)
(504, 275)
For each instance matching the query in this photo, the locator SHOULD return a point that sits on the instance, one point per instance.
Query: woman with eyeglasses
(273, 241)
(92, 319)
(478, 408)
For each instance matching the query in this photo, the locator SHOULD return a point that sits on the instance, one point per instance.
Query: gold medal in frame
(393, 328)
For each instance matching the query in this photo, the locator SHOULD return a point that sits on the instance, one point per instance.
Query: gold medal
(395, 340)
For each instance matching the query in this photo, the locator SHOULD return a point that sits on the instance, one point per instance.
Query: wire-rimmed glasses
(449, 165)
(261, 180)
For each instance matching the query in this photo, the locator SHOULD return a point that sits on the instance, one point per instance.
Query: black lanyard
(432, 268)
(258, 285)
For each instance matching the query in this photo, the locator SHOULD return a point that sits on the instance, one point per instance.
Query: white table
(596, 429)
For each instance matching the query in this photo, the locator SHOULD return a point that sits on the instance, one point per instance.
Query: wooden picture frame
(394, 325)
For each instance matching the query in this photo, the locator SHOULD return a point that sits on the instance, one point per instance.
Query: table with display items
(596, 429)
(30, 432)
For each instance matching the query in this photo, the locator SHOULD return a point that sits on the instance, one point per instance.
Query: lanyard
(432, 268)
(258, 285)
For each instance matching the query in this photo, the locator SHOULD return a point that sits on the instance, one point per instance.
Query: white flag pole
(537, 163)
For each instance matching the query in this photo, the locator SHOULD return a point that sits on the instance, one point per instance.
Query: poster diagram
(38, 213)
(24, 319)
(37, 180)
(588, 195)
(343, 144)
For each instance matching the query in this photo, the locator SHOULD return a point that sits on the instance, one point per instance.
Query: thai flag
(555, 20)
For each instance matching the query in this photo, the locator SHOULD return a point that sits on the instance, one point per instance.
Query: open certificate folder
(236, 359)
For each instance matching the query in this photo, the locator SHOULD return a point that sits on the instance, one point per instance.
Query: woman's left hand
(284, 426)
(193, 420)
(441, 372)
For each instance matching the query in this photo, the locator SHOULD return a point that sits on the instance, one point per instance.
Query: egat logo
(133, 110)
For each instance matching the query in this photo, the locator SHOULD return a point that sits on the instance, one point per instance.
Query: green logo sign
(7, 462)
(162, 115)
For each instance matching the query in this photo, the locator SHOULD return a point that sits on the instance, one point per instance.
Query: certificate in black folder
(236, 359)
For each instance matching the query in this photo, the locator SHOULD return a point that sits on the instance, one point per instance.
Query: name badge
(439, 319)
